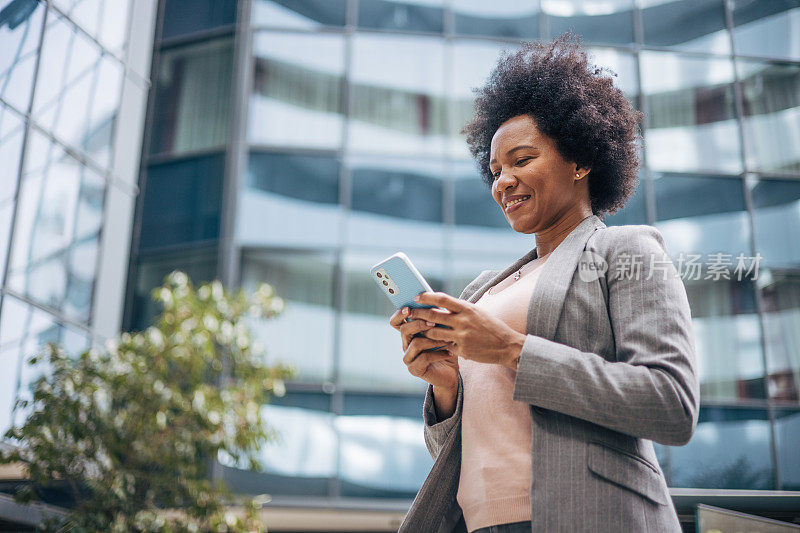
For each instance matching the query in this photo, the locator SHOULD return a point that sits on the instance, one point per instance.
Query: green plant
(131, 431)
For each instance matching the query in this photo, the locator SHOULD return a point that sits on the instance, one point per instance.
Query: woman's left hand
(475, 334)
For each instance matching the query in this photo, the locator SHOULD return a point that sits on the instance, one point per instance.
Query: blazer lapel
(547, 299)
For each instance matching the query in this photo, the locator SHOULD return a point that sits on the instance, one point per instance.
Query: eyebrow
(521, 147)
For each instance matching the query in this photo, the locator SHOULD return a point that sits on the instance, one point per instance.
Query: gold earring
(577, 175)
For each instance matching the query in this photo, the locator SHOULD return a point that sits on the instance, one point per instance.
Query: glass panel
(200, 265)
(53, 259)
(305, 282)
(299, 463)
(697, 25)
(635, 210)
(292, 14)
(409, 15)
(692, 124)
(396, 202)
(303, 189)
(12, 130)
(192, 98)
(78, 90)
(771, 115)
(397, 95)
(297, 90)
(596, 22)
(182, 17)
(501, 18)
(729, 450)
(702, 214)
(781, 298)
(381, 456)
(371, 350)
(776, 219)
(106, 21)
(20, 27)
(24, 332)
(182, 202)
(787, 435)
(768, 29)
(371, 403)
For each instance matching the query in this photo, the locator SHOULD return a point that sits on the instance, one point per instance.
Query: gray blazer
(608, 367)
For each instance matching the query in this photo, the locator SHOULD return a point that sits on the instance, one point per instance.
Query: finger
(409, 329)
(440, 299)
(398, 317)
(434, 315)
(420, 366)
(417, 345)
(443, 335)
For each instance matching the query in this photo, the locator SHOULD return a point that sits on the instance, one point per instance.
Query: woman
(559, 372)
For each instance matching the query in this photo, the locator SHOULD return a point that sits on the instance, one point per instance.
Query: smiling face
(534, 186)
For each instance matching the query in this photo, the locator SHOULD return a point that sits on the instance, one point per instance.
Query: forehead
(514, 131)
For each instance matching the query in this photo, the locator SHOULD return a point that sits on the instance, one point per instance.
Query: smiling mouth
(513, 203)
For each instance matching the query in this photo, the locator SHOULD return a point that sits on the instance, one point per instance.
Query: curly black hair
(575, 104)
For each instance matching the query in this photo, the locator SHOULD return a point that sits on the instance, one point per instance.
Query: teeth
(518, 200)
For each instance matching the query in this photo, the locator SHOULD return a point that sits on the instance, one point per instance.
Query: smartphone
(400, 281)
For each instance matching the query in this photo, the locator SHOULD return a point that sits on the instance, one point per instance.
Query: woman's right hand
(440, 367)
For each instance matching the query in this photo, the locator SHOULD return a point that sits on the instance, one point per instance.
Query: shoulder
(611, 241)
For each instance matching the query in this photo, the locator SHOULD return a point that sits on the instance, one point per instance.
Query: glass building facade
(74, 78)
(299, 143)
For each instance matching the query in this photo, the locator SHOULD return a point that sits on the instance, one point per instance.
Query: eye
(495, 174)
(524, 160)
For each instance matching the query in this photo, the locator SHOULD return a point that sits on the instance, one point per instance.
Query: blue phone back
(406, 281)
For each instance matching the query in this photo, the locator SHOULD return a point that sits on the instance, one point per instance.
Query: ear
(580, 172)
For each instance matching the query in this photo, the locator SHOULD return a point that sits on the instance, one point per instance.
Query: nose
(505, 180)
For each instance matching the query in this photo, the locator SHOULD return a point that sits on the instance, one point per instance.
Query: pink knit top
(494, 487)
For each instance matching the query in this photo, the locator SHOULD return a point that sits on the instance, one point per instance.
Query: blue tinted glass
(635, 210)
(384, 405)
(298, 13)
(305, 177)
(501, 18)
(188, 16)
(776, 217)
(401, 15)
(787, 435)
(686, 25)
(396, 192)
(729, 450)
(771, 93)
(20, 27)
(182, 202)
(767, 28)
(475, 205)
(611, 23)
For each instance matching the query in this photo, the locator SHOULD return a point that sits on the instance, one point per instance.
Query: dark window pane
(192, 98)
(613, 25)
(305, 177)
(315, 401)
(182, 202)
(776, 220)
(399, 15)
(686, 25)
(635, 210)
(787, 435)
(182, 17)
(397, 193)
(356, 403)
(199, 265)
(298, 13)
(766, 29)
(781, 298)
(771, 94)
(475, 205)
(501, 18)
(729, 450)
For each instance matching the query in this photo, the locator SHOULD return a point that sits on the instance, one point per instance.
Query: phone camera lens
(379, 274)
(386, 283)
(391, 291)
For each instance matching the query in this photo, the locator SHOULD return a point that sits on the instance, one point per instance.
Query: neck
(548, 239)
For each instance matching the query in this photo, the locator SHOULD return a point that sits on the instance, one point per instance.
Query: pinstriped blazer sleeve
(651, 390)
(436, 431)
